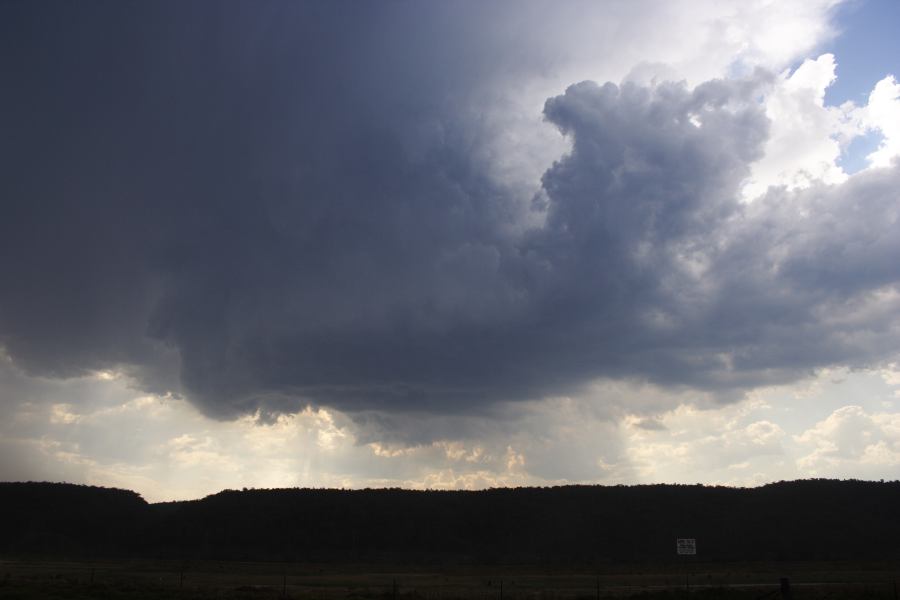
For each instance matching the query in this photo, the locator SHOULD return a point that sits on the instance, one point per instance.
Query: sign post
(686, 547)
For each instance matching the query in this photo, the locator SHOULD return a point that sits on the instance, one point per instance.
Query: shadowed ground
(209, 579)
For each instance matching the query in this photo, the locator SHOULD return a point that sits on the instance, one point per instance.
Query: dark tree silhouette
(799, 520)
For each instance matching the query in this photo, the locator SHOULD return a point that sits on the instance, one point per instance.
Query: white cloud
(707, 446)
(205, 452)
(177, 453)
(891, 376)
(851, 437)
(62, 413)
(882, 114)
(806, 136)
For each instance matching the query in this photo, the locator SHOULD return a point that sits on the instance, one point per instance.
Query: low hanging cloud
(260, 221)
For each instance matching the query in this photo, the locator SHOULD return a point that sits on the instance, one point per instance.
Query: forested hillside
(813, 519)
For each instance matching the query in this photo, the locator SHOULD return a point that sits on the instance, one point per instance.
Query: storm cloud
(308, 203)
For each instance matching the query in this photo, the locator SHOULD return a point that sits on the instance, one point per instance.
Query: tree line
(567, 525)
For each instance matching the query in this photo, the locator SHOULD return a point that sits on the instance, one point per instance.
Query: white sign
(686, 546)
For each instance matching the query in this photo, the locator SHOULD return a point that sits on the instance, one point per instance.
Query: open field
(209, 579)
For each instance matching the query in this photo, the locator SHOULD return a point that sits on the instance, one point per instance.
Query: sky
(448, 245)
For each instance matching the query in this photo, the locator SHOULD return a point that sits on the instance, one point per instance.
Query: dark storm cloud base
(295, 204)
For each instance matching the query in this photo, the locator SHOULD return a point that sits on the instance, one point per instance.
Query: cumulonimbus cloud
(301, 221)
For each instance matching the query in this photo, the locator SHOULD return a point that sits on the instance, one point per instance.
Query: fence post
(785, 588)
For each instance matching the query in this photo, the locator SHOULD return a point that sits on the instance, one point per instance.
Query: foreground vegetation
(129, 580)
